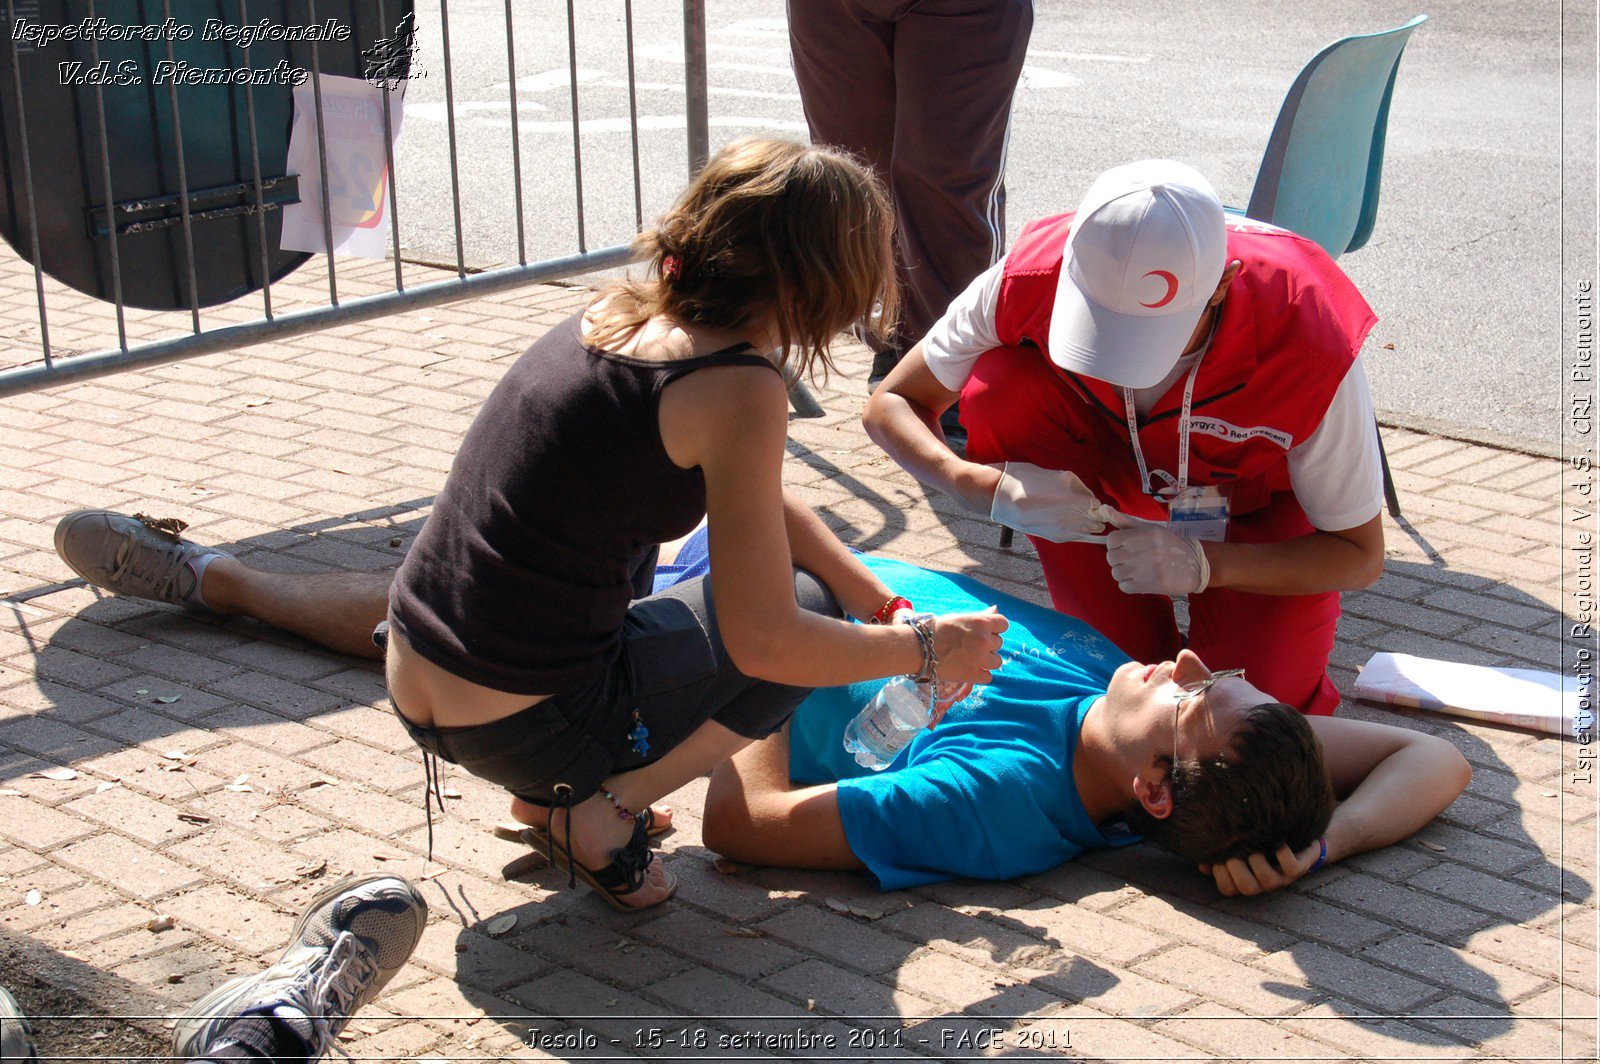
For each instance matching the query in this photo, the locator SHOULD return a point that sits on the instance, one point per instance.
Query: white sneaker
(15, 1045)
(357, 934)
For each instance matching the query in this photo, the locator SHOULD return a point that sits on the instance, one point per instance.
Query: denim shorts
(671, 673)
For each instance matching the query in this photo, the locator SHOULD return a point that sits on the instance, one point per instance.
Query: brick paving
(222, 767)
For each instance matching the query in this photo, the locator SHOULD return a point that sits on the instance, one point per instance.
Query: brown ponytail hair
(768, 229)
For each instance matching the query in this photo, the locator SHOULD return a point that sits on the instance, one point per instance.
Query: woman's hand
(1256, 875)
(968, 644)
(948, 695)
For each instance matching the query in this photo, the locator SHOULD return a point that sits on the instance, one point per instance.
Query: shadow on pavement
(1380, 941)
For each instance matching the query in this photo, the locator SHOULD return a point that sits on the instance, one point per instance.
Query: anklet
(622, 811)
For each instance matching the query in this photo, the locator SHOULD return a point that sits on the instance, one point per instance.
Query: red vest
(1292, 323)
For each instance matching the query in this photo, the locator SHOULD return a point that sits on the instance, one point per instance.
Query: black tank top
(521, 577)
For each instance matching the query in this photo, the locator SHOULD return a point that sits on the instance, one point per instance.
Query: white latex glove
(1052, 504)
(1148, 558)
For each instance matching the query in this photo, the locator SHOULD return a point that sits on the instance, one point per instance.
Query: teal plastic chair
(1323, 165)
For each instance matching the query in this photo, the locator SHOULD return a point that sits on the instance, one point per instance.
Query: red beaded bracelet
(887, 611)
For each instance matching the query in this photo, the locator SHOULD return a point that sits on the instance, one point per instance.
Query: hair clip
(671, 267)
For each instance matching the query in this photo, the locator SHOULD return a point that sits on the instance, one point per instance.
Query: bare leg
(598, 832)
(337, 610)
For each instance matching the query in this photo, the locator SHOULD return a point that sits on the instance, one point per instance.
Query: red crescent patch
(1172, 289)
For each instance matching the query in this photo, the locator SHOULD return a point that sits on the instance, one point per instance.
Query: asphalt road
(1464, 268)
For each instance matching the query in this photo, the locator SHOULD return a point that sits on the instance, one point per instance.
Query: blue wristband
(1322, 858)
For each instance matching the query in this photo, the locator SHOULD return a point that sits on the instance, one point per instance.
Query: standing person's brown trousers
(922, 90)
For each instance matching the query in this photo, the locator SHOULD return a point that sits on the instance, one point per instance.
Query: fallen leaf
(174, 755)
(501, 924)
(528, 862)
(262, 401)
(508, 831)
(174, 978)
(322, 781)
(312, 870)
(1550, 794)
(1388, 347)
(98, 1035)
(160, 924)
(435, 874)
(61, 774)
(449, 792)
(394, 542)
(34, 897)
(167, 700)
(142, 691)
(384, 855)
(729, 868)
(240, 788)
(195, 818)
(867, 912)
(838, 906)
(745, 932)
(1434, 846)
(106, 786)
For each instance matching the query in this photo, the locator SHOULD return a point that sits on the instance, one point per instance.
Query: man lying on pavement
(1072, 747)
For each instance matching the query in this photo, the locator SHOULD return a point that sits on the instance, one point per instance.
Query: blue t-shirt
(989, 793)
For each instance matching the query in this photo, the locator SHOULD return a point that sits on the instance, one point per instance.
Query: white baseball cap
(1145, 253)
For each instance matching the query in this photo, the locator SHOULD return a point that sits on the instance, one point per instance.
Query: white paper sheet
(359, 201)
(1524, 698)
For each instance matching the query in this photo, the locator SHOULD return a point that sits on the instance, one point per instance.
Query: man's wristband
(1322, 858)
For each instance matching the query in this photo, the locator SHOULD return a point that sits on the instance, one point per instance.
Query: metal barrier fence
(108, 247)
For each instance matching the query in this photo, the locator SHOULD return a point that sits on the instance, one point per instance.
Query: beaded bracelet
(622, 811)
(922, 624)
(894, 605)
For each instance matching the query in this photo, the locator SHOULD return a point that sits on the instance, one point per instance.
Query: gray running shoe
(14, 1042)
(138, 556)
(357, 934)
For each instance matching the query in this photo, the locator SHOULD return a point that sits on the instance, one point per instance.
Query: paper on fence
(360, 206)
(1523, 698)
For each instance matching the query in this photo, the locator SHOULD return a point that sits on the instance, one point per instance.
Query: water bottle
(900, 709)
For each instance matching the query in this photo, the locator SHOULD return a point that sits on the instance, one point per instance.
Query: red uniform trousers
(1016, 407)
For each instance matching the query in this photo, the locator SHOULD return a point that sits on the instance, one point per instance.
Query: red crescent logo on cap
(1172, 289)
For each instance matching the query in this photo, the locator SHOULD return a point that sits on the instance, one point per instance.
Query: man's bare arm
(902, 417)
(1393, 781)
(755, 814)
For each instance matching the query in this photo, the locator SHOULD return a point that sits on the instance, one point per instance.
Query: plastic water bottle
(897, 712)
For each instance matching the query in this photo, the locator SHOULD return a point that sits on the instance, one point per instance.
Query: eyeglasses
(1200, 687)
(1189, 690)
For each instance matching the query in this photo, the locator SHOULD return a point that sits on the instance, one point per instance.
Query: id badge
(1199, 513)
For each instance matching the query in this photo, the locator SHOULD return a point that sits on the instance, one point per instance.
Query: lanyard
(1182, 483)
